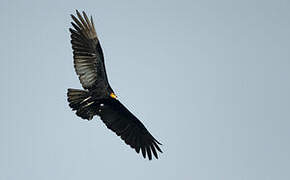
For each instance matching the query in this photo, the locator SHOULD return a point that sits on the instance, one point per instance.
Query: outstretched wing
(87, 52)
(120, 120)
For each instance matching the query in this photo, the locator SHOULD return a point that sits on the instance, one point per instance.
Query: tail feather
(82, 102)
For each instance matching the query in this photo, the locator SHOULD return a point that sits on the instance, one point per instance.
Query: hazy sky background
(209, 79)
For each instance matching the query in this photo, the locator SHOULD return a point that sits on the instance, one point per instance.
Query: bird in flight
(98, 98)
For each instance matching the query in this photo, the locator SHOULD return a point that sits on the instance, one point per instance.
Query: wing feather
(120, 120)
(87, 51)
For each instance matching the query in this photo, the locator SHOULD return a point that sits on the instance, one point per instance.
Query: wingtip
(76, 11)
(157, 141)
(143, 152)
(70, 30)
(84, 13)
(72, 16)
(149, 153)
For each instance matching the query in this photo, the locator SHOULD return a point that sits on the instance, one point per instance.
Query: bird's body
(98, 98)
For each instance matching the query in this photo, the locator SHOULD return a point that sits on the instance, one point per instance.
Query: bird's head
(111, 93)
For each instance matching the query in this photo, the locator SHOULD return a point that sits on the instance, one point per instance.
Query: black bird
(98, 98)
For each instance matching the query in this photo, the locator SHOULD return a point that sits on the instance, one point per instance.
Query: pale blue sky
(209, 79)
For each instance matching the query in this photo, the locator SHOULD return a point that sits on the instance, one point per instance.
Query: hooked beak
(113, 95)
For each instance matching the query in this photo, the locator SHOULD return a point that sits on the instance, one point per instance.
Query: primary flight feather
(98, 98)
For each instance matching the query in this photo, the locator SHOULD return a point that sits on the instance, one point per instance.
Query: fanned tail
(81, 101)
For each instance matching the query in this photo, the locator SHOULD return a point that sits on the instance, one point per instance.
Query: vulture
(97, 97)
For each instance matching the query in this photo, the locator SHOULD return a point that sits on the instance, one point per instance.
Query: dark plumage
(98, 98)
